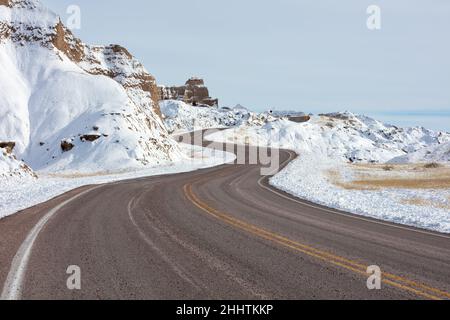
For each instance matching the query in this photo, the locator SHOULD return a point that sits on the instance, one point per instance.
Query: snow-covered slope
(70, 106)
(179, 116)
(343, 136)
(436, 153)
(11, 167)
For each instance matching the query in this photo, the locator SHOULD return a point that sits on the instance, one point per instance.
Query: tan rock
(5, 3)
(193, 92)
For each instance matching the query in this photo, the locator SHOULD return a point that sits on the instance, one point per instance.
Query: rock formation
(194, 92)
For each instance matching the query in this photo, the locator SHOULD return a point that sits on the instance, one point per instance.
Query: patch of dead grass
(336, 178)
(74, 175)
(409, 176)
(426, 203)
(407, 183)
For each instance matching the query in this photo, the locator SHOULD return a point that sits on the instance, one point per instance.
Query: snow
(47, 97)
(11, 167)
(56, 100)
(346, 137)
(305, 178)
(20, 193)
(436, 153)
(182, 117)
(332, 143)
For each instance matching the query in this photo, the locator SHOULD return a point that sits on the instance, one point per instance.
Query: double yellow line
(389, 279)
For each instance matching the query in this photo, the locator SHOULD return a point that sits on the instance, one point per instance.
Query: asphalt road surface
(218, 233)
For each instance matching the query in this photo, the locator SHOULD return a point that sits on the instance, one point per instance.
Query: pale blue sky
(311, 55)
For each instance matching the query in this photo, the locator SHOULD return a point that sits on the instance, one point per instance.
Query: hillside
(180, 116)
(342, 136)
(74, 107)
(436, 153)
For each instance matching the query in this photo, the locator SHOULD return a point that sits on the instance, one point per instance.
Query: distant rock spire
(193, 92)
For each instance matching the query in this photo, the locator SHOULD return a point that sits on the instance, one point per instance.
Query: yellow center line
(405, 284)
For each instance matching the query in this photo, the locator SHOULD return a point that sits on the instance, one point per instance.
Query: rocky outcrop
(66, 145)
(21, 29)
(117, 63)
(194, 92)
(5, 31)
(300, 119)
(90, 137)
(113, 61)
(8, 146)
(5, 3)
(64, 41)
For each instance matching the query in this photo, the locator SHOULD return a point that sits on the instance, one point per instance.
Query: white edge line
(348, 215)
(12, 289)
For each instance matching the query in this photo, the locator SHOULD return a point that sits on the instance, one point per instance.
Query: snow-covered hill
(179, 116)
(343, 136)
(433, 154)
(70, 106)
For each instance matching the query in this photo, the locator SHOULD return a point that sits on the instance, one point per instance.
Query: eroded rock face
(90, 137)
(64, 41)
(193, 92)
(5, 3)
(21, 28)
(5, 31)
(117, 63)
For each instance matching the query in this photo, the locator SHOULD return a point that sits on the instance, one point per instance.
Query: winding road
(218, 233)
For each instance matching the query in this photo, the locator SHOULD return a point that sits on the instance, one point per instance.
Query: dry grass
(84, 175)
(379, 176)
(426, 203)
(432, 165)
(336, 178)
(407, 183)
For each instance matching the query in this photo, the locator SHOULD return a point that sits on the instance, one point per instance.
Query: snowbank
(306, 178)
